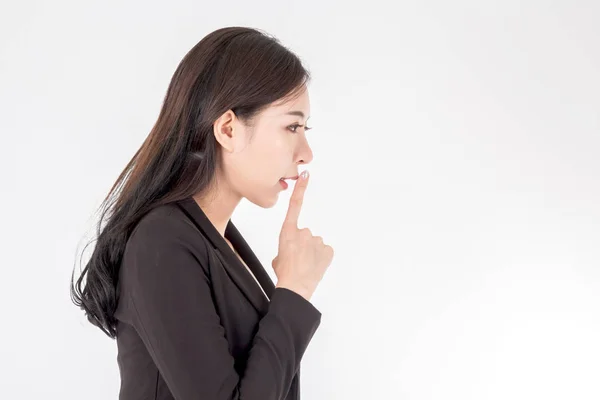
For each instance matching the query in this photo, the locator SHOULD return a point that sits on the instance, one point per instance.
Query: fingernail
(304, 174)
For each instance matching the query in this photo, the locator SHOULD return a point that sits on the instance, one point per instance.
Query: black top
(192, 322)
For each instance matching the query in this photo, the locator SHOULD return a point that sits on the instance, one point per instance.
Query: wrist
(307, 294)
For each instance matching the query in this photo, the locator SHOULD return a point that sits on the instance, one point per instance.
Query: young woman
(194, 313)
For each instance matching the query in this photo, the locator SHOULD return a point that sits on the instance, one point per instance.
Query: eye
(296, 126)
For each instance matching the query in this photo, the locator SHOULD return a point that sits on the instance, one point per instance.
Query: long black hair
(233, 68)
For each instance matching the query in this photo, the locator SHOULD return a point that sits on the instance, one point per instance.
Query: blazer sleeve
(174, 314)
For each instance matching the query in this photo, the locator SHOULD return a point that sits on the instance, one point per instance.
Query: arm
(175, 316)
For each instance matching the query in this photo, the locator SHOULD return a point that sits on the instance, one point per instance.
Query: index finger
(291, 218)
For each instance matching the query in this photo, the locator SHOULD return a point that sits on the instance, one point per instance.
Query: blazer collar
(233, 266)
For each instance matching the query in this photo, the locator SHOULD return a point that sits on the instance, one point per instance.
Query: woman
(194, 313)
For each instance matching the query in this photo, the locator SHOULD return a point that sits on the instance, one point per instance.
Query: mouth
(283, 182)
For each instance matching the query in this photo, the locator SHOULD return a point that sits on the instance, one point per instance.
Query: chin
(263, 201)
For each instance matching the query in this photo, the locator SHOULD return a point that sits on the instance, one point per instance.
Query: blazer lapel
(233, 266)
(245, 251)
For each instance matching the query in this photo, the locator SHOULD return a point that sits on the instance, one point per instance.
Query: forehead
(298, 106)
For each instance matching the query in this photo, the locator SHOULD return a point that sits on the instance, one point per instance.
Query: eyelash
(306, 128)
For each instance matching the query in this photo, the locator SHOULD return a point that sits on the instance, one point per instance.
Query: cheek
(272, 152)
(274, 145)
(265, 159)
(269, 162)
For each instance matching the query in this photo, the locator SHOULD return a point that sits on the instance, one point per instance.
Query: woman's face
(255, 158)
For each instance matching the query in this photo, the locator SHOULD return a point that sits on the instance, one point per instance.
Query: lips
(284, 183)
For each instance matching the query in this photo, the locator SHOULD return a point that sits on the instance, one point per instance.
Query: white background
(456, 175)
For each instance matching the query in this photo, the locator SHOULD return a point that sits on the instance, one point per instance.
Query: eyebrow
(297, 113)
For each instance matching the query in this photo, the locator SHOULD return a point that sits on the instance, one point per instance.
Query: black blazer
(192, 322)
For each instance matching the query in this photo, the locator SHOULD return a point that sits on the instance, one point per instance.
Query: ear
(223, 129)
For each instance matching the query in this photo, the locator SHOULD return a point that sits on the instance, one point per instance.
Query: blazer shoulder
(167, 226)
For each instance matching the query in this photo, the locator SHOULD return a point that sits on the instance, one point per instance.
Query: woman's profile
(171, 278)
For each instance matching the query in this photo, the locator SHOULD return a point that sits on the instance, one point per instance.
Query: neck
(218, 204)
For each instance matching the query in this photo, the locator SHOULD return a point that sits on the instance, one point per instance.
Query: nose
(305, 154)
